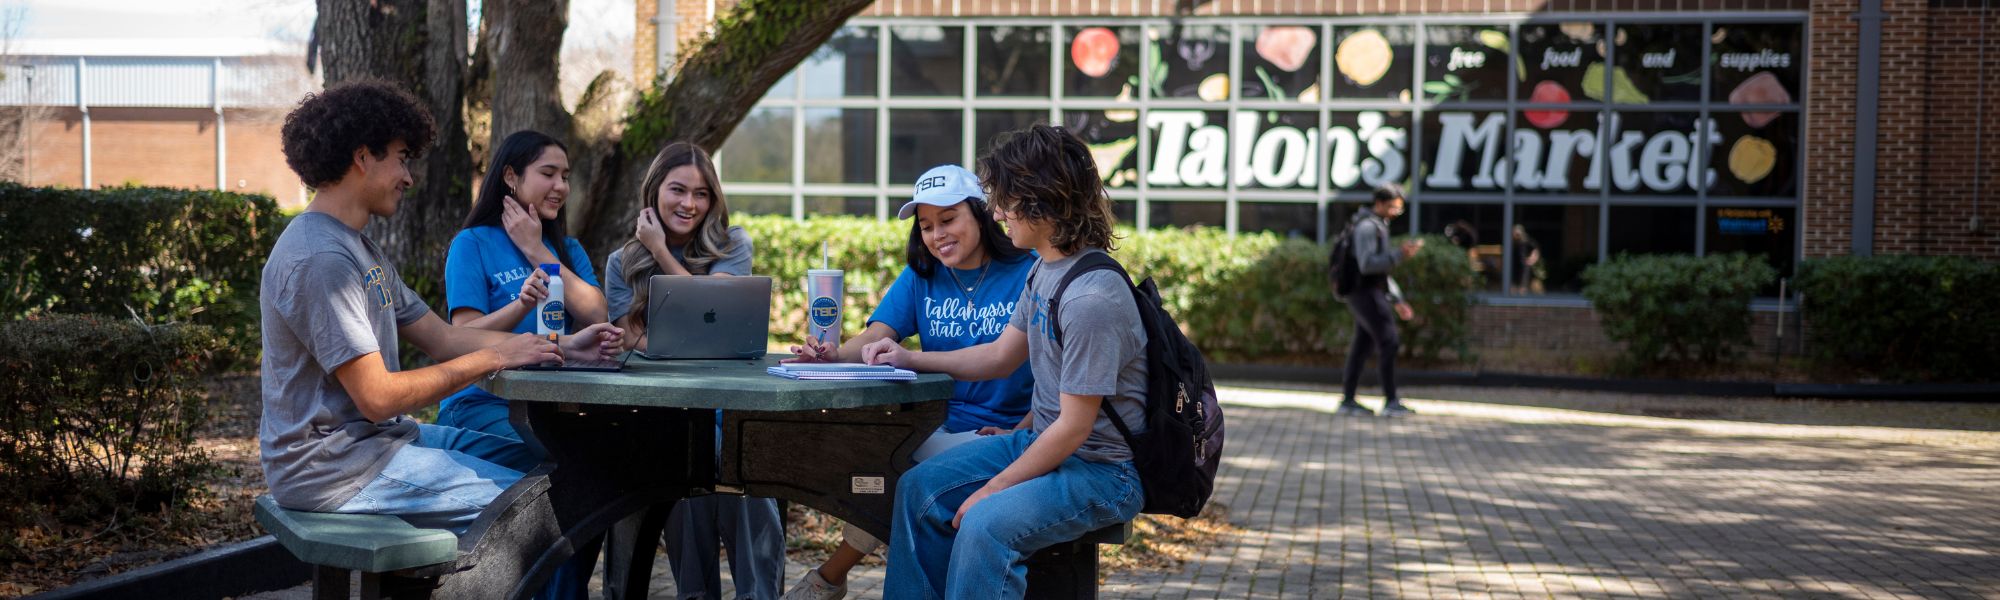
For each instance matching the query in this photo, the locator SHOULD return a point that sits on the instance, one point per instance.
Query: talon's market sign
(1466, 154)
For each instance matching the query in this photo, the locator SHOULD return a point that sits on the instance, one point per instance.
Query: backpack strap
(1095, 261)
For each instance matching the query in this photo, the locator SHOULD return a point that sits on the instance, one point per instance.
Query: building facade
(92, 114)
(1547, 136)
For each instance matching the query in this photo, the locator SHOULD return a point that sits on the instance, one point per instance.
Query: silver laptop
(701, 316)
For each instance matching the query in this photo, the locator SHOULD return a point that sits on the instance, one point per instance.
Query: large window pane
(1465, 62)
(840, 145)
(853, 206)
(1651, 230)
(1561, 63)
(1194, 60)
(1553, 151)
(926, 60)
(1474, 229)
(920, 139)
(1552, 247)
(1769, 232)
(1662, 62)
(759, 205)
(760, 150)
(1367, 149)
(1113, 138)
(1297, 220)
(1464, 150)
(843, 67)
(1282, 150)
(1182, 214)
(1103, 62)
(1373, 63)
(1758, 155)
(1125, 212)
(1013, 61)
(1653, 154)
(989, 124)
(1281, 62)
(1756, 63)
(1190, 148)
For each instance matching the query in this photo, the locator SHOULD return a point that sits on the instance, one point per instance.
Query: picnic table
(622, 447)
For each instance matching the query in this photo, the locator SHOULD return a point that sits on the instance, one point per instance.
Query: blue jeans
(985, 557)
(444, 478)
(472, 408)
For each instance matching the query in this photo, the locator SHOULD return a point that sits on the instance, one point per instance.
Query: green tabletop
(730, 384)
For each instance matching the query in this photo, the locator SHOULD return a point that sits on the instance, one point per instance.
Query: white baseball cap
(943, 185)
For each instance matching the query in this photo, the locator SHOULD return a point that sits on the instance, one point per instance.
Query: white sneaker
(814, 587)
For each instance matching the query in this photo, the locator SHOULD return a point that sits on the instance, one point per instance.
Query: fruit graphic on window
(1214, 88)
(1762, 88)
(1547, 92)
(1751, 158)
(1363, 57)
(1094, 51)
(1286, 47)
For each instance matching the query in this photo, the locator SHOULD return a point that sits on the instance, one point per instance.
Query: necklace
(975, 283)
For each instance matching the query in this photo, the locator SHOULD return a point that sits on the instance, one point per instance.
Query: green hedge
(1252, 297)
(1677, 307)
(1904, 317)
(98, 415)
(166, 255)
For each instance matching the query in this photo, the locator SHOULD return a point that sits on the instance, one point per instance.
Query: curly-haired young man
(333, 437)
(967, 519)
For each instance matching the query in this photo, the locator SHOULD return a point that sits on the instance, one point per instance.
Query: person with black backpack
(1359, 267)
(966, 520)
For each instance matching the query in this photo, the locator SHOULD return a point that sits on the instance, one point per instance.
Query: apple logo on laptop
(708, 317)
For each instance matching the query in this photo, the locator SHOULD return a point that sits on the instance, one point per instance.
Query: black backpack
(1342, 272)
(1177, 454)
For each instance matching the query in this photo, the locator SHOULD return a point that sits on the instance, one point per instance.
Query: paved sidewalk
(1488, 500)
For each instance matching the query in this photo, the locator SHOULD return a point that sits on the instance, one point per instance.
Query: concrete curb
(246, 567)
(1973, 392)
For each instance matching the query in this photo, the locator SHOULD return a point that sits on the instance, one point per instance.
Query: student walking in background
(1376, 302)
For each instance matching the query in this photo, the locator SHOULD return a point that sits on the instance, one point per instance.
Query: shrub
(1676, 307)
(98, 416)
(165, 255)
(1251, 297)
(1906, 317)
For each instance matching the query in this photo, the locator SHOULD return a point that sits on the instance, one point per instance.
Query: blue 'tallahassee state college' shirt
(945, 317)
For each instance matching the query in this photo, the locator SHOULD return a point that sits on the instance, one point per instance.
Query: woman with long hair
(492, 274)
(684, 229)
(959, 290)
(493, 280)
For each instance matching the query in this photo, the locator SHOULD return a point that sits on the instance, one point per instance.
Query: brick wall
(1567, 331)
(165, 147)
(1938, 223)
(1827, 219)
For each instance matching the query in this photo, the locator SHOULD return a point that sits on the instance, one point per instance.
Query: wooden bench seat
(395, 558)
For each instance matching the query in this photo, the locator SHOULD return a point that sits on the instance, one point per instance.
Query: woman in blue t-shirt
(492, 278)
(959, 289)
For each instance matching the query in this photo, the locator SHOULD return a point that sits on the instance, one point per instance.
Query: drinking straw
(822, 254)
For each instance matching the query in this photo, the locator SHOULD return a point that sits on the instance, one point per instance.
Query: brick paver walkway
(1481, 500)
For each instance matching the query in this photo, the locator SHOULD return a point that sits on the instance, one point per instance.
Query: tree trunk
(523, 40)
(419, 45)
(754, 45)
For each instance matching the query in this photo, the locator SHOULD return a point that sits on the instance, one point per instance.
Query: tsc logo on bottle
(824, 311)
(553, 317)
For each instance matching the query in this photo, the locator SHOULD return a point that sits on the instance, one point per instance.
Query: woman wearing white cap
(959, 289)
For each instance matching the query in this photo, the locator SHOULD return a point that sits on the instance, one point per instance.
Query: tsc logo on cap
(932, 182)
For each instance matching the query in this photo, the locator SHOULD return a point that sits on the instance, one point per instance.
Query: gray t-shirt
(618, 292)
(328, 297)
(1103, 352)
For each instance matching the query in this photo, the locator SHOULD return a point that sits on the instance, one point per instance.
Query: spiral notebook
(841, 372)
